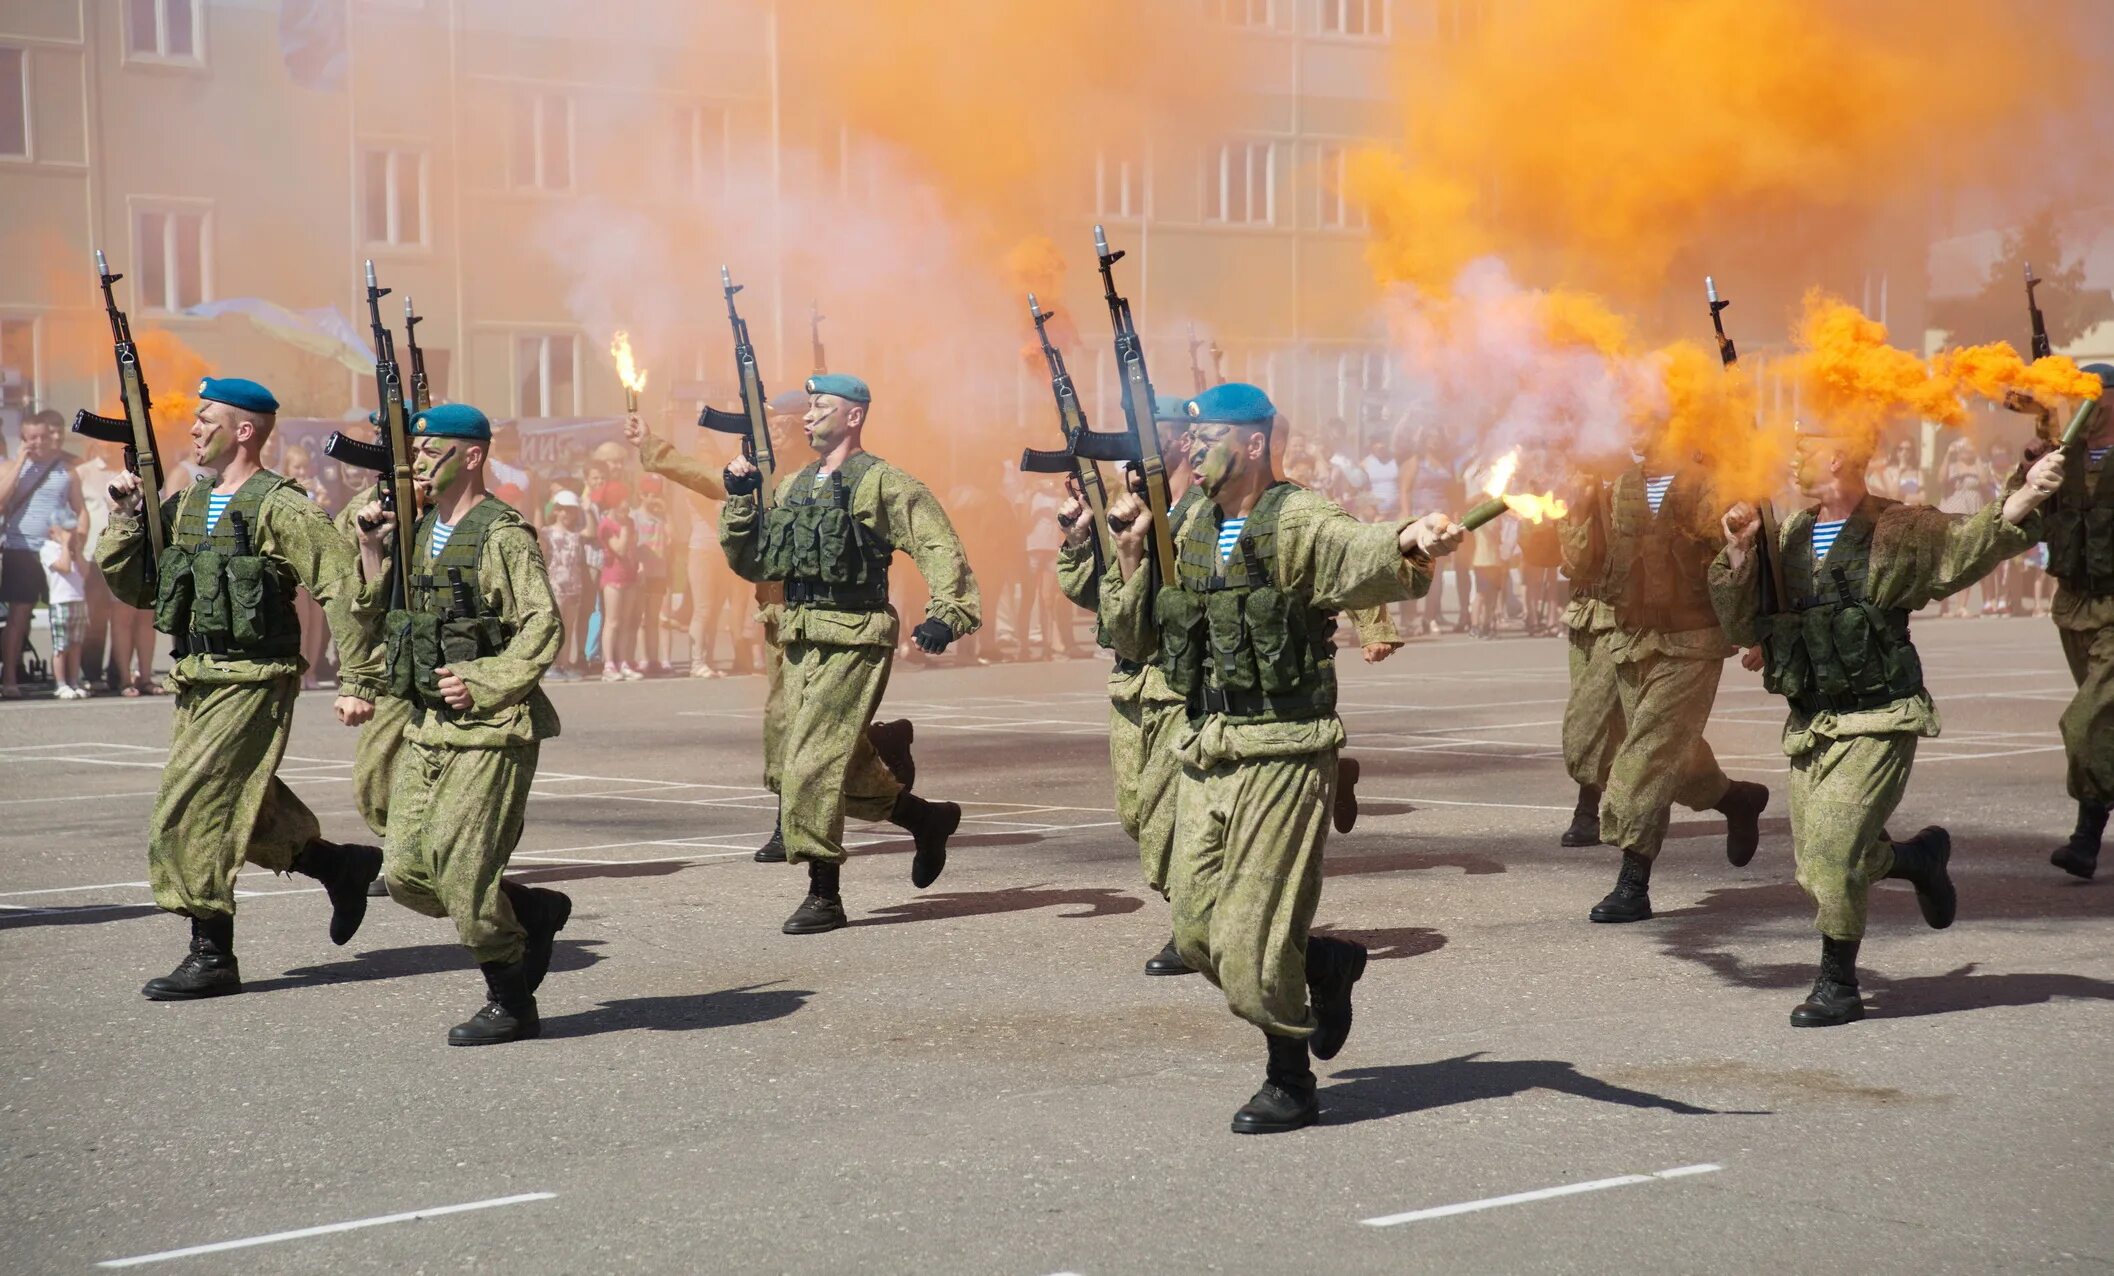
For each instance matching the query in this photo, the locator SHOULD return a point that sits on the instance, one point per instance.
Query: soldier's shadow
(1391, 943)
(1410, 861)
(419, 959)
(905, 846)
(75, 915)
(727, 1008)
(1962, 989)
(1372, 1094)
(1085, 901)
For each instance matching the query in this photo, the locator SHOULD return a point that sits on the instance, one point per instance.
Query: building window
(700, 158)
(1238, 184)
(18, 364)
(14, 102)
(542, 154)
(1362, 380)
(1242, 13)
(547, 370)
(1362, 19)
(1121, 185)
(1337, 211)
(173, 249)
(1456, 20)
(393, 205)
(165, 30)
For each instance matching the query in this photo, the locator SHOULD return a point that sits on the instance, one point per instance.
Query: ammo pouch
(211, 609)
(2098, 547)
(1180, 615)
(1233, 661)
(1280, 649)
(249, 596)
(411, 654)
(172, 596)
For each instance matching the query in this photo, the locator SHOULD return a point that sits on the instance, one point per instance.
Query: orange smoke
(1711, 416)
(1851, 380)
(1036, 265)
(1995, 369)
(1713, 123)
(172, 371)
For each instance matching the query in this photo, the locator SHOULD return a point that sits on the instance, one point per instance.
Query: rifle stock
(2041, 347)
(753, 423)
(390, 454)
(136, 431)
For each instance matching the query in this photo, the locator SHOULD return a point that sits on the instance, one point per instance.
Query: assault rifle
(1766, 558)
(136, 431)
(814, 338)
(390, 453)
(1066, 460)
(1140, 441)
(2018, 400)
(752, 423)
(2041, 348)
(421, 391)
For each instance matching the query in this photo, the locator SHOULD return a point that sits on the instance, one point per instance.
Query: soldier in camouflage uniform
(382, 735)
(1855, 567)
(237, 548)
(1592, 715)
(828, 537)
(1652, 558)
(1243, 633)
(2079, 520)
(1145, 713)
(468, 653)
(891, 741)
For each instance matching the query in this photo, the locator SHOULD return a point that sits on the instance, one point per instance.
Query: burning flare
(1532, 508)
(627, 369)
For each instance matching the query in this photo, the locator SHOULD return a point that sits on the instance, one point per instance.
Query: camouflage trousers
(374, 760)
(773, 703)
(829, 768)
(455, 817)
(1842, 794)
(1144, 716)
(221, 803)
(2087, 723)
(1592, 716)
(1663, 758)
(1246, 879)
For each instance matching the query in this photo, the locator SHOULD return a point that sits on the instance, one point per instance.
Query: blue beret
(1170, 407)
(842, 386)
(238, 392)
(788, 403)
(452, 421)
(1234, 403)
(2104, 371)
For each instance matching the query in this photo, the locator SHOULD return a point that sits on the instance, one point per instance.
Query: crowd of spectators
(645, 591)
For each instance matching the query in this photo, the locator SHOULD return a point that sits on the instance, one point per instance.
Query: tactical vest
(1174, 520)
(2079, 521)
(826, 557)
(1658, 573)
(216, 595)
(1829, 649)
(443, 619)
(1230, 639)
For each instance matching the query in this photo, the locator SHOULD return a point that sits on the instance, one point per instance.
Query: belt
(1813, 702)
(804, 593)
(1254, 704)
(199, 644)
(1129, 668)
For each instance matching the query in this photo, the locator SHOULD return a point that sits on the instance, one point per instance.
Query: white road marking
(326, 1229)
(1539, 1194)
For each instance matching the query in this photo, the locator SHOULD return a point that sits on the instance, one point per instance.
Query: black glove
(932, 636)
(743, 484)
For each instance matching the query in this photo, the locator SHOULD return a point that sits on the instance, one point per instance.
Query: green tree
(1998, 311)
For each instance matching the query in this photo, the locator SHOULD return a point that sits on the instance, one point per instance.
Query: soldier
(891, 741)
(236, 549)
(468, 653)
(2081, 558)
(1145, 713)
(1855, 567)
(382, 735)
(828, 537)
(1243, 633)
(1592, 715)
(1667, 652)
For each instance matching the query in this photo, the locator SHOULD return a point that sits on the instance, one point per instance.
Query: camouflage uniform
(381, 736)
(221, 805)
(1850, 764)
(1592, 716)
(462, 784)
(837, 658)
(2079, 520)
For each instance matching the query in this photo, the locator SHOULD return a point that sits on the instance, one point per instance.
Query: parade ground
(978, 1078)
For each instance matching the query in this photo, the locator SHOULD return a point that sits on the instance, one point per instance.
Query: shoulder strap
(25, 492)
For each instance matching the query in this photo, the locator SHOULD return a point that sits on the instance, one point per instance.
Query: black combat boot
(542, 912)
(345, 872)
(208, 971)
(1922, 860)
(774, 852)
(1631, 900)
(2079, 857)
(929, 824)
(1585, 818)
(1742, 808)
(892, 741)
(509, 1012)
(1168, 961)
(1333, 965)
(378, 888)
(823, 909)
(1346, 812)
(1833, 1001)
(1286, 1101)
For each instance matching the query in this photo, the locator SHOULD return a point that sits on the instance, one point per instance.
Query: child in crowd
(67, 588)
(565, 554)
